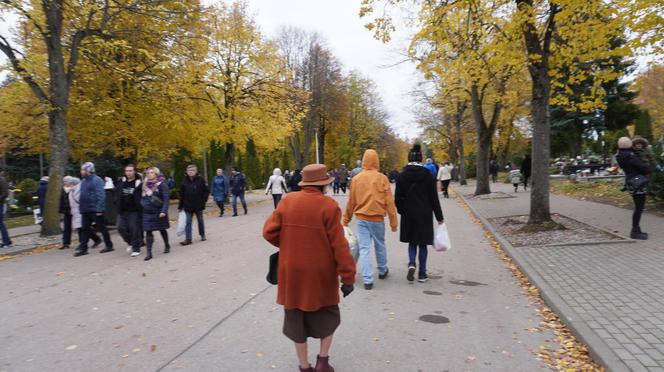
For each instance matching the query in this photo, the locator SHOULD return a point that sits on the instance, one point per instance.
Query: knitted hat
(415, 154)
(624, 143)
(88, 166)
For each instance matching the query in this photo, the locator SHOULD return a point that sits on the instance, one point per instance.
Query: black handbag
(156, 201)
(637, 183)
(274, 269)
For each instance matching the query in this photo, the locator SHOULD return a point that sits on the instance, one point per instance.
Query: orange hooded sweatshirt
(370, 194)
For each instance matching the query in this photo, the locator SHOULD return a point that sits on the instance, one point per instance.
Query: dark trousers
(87, 219)
(220, 204)
(149, 239)
(412, 254)
(276, 198)
(3, 228)
(131, 229)
(335, 187)
(343, 187)
(494, 177)
(244, 203)
(526, 177)
(201, 224)
(66, 233)
(639, 205)
(446, 186)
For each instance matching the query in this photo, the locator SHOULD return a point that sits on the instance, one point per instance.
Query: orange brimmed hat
(315, 175)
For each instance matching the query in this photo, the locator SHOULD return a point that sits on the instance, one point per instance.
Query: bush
(656, 187)
(25, 190)
(174, 193)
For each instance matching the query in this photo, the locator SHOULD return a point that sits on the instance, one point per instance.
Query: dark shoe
(310, 369)
(167, 249)
(422, 277)
(234, 214)
(368, 286)
(411, 273)
(148, 256)
(63, 247)
(80, 253)
(186, 242)
(638, 235)
(106, 250)
(383, 276)
(245, 211)
(96, 244)
(323, 365)
(203, 238)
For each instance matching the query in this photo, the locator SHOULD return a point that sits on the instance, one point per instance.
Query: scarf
(150, 186)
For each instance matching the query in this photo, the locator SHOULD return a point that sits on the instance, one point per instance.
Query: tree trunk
(296, 150)
(59, 158)
(458, 118)
(483, 186)
(508, 141)
(541, 149)
(229, 157)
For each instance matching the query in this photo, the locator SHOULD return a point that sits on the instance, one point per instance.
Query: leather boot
(638, 234)
(306, 369)
(167, 249)
(148, 248)
(323, 365)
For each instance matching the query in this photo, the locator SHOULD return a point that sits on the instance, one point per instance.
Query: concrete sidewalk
(611, 295)
(207, 307)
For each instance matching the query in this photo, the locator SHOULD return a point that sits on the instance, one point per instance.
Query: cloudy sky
(338, 22)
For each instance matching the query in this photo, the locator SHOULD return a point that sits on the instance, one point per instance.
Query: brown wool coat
(313, 250)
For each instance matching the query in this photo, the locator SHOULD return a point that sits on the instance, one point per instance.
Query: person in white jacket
(445, 176)
(277, 186)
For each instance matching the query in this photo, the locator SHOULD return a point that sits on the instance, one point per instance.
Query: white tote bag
(441, 241)
(182, 223)
(353, 245)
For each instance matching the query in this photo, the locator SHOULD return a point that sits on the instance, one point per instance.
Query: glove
(347, 289)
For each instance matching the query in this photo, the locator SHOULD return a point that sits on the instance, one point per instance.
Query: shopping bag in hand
(441, 241)
(352, 242)
(182, 223)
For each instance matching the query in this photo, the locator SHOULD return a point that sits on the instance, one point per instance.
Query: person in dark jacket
(636, 182)
(526, 170)
(41, 195)
(416, 199)
(295, 179)
(91, 206)
(493, 170)
(194, 193)
(4, 193)
(129, 189)
(238, 184)
(154, 206)
(65, 210)
(344, 177)
(220, 190)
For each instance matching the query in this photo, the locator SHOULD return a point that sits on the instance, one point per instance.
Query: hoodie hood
(276, 172)
(370, 160)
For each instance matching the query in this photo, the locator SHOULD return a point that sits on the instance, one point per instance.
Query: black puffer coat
(417, 200)
(194, 194)
(65, 207)
(631, 164)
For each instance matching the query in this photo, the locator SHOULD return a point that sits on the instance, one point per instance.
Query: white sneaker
(134, 254)
(129, 249)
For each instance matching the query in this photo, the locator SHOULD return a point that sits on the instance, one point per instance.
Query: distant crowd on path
(308, 229)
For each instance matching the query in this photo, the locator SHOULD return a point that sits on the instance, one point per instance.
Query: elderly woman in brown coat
(313, 254)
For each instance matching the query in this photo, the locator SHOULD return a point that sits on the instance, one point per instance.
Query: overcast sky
(338, 22)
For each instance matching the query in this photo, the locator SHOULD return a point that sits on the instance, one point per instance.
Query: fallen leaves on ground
(572, 355)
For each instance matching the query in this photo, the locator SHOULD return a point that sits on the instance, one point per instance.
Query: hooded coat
(417, 200)
(371, 196)
(276, 184)
(313, 252)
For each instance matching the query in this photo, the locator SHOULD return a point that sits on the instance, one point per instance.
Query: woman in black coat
(154, 202)
(636, 181)
(416, 199)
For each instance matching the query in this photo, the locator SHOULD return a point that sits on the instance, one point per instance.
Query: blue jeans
(368, 231)
(277, 199)
(412, 254)
(201, 224)
(244, 203)
(3, 228)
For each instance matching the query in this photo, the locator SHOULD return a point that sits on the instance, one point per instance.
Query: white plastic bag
(353, 245)
(182, 223)
(441, 241)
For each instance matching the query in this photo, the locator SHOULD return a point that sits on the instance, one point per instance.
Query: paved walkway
(207, 307)
(612, 293)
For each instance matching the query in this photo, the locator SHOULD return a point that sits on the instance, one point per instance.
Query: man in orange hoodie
(370, 200)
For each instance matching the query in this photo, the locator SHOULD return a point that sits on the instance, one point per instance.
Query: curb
(597, 348)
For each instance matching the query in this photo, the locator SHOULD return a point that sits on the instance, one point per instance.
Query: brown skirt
(300, 325)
